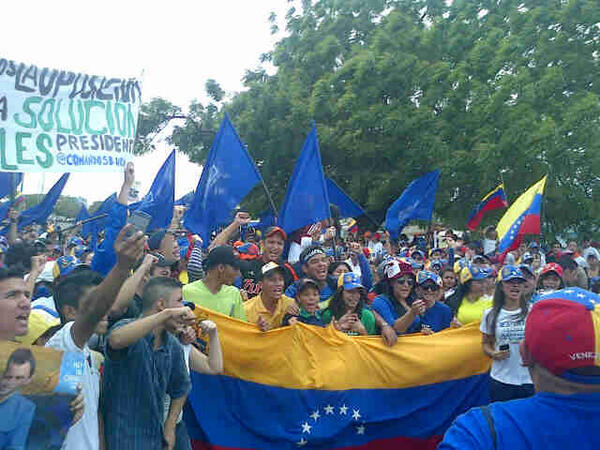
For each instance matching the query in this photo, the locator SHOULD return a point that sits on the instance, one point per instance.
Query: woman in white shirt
(503, 328)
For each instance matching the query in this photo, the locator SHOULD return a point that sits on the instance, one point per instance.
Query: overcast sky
(177, 45)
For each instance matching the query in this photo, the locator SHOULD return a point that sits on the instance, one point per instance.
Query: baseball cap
(349, 280)
(310, 252)
(39, 322)
(561, 333)
(425, 275)
(155, 239)
(270, 268)
(271, 231)
(460, 265)
(508, 273)
(47, 274)
(552, 267)
(248, 250)
(223, 254)
(475, 273)
(527, 256)
(417, 253)
(395, 269)
(527, 268)
(64, 265)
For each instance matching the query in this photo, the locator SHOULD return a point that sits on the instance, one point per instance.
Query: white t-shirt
(84, 434)
(510, 329)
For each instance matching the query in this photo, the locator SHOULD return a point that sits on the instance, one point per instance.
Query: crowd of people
(126, 305)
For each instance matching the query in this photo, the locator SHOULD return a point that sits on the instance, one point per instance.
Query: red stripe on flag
(405, 443)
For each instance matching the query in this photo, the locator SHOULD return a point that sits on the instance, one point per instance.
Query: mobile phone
(140, 221)
(504, 347)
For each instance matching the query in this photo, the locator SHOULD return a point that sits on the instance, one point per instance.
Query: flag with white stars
(313, 387)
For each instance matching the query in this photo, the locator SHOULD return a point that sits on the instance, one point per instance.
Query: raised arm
(37, 266)
(129, 334)
(213, 363)
(241, 218)
(100, 299)
(129, 288)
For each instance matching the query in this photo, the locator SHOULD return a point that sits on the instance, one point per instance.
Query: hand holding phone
(139, 221)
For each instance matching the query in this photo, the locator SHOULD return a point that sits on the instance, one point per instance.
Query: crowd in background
(127, 303)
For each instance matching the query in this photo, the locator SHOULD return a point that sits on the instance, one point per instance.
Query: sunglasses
(431, 287)
(404, 280)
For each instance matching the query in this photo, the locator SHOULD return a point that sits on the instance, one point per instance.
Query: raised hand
(129, 247)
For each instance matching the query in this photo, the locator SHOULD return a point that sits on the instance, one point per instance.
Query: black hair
(498, 304)
(334, 265)
(22, 356)
(338, 307)
(11, 272)
(540, 284)
(157, 288)
(567, 263)
(69, 289)
(389, 292)
(19, 256)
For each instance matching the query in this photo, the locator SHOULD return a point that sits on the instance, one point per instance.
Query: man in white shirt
(83, 301)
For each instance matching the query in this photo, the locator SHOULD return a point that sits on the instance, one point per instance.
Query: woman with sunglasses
(503, 329)
(437, 316)
(397, 305)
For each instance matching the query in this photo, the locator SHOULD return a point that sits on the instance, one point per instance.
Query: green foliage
(65, 206)
(487, 91)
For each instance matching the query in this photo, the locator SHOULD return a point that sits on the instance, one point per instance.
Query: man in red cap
(561, 350)
(272, 245)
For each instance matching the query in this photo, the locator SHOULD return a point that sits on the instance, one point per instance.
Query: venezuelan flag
(523, 217)
(494, 200)
(312, 387)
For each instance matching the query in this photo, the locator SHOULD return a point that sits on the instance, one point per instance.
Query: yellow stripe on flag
(311, 357)
(518, 207)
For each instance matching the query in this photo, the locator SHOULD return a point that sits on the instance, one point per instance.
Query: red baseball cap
(552, 267)
(275, 230)
(395, 269)
(562, 333)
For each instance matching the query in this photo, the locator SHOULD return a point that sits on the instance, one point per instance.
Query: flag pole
(269, 198)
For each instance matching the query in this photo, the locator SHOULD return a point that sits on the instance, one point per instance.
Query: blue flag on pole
(160, 199)
(9, 181)
(40, 212)
(415, 203)
(348, 207)
(186, 200)
(306, 200)
(227, 177)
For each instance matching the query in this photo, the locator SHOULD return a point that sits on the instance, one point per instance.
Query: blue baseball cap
(349, 280)
(474, 273)
(425, 275)
(527, 268)
(509, 273)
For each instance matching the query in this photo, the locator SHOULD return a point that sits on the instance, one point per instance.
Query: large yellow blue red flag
(310, 387)
(523, 217)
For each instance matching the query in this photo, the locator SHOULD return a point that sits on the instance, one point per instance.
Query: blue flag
(186, 200)
(83, 214)
(228, 176)
(160, 199)
(415, 203)
(40, 212)
(9, 182)
(306, 200)
(348, 207)
(4, 208)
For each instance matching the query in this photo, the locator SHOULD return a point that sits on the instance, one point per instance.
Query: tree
(487, 91)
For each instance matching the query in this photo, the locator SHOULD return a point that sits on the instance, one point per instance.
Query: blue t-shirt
(390, 312)
(438, 318)
(545, 421)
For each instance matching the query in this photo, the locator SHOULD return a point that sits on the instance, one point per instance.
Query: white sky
(177, 44)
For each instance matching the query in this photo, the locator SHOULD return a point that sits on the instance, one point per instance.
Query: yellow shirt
(255, 308)
(471, 312)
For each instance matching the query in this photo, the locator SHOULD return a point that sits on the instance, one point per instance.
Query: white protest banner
(59, 121)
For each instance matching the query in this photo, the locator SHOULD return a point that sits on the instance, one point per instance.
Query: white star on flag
(329, 409)
(306, 427)
(580, 295)
(302, 442)
(356, 414)
(360, 429)
(315, 415)
(343, 409)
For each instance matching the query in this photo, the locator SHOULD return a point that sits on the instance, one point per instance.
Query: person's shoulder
(251, 302)
(469, 431)
(380, 300)
(366, 312)
(286, 301)
(194, 286)
(230, 290)
(63, 339)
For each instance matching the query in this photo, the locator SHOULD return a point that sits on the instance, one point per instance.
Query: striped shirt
(136, 380)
